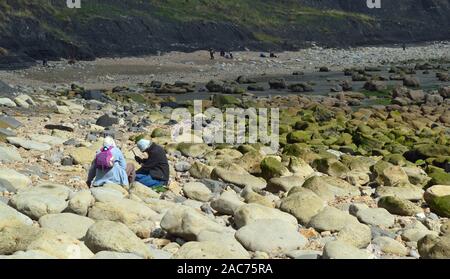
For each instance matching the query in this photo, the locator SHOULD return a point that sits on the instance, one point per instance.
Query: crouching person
(154, 169)
(109, 166)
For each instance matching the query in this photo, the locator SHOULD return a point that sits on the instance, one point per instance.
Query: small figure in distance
(211, 53)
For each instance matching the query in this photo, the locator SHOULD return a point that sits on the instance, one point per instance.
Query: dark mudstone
(106, 120)
(58, 127)
(214, 185)
(67, 161)
(95, 95)
(71, 142)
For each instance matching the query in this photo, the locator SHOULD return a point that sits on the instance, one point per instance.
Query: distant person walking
(404, 46)
(211, 53)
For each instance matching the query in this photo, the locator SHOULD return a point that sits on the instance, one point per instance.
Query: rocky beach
(362, 170)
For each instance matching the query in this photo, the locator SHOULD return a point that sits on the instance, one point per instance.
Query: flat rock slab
(271, 236)
(9, 155)
(7, 121)
(28, 144)
(51, 140)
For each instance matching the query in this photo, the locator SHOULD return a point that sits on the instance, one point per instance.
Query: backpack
(105, 159)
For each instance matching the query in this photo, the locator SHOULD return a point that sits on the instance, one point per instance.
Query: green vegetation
(258, 15)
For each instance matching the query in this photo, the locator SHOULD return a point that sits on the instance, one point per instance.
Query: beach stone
(110, 255)
(303, 204)
(80, 202)
(197, 191)
(102, 194)
(376, 217)
(13, 181)
(390, 246)
(4, 133)
(399, 206)
(271, 167)
(284, 236)
(143, 191)
(61, 127)
(121, 210)
(227, 238)
(239, 179)
(9, 215)
(285, 183)
(28, 144)
(24, 101)
(29, 255)
(208, 250)
(406, 192)
(342, 250)
(416, 231)
(114, 236)
(329, 188)
(194, 150)
(434, 247)
(62, 246)
(438, 198)
(331, 219)
(248, 213)
(358, 235)
(445, 228)
(51, 140)
(188, 223)
(15, 236)
(7, 102)
(106, 121)
(227, 203)
(9, 155)
(9, 122)
(82, 155)
(67, 223)
(182, 166)
(199, 170)
(36, 204)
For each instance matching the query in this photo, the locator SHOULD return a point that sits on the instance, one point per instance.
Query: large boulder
(390, 246)
(249, 213)
(241, 179)
(194, 150)
(284, 236)
(9, 215)
(197, 191)
(80, 202)
(271, 167)
(42, 200)
(331, 219)
(62, 246)
(355, 234)
(67, 223)
(13, 181)
(284, 184)
(137, 216)
(303, 204)
(399, 206)
(227, 203)
(188, 223)
(329, 188)
(28, 144)
(404, 191)
(114, 236)
(434, 247)
(374, 216)
(438, 199)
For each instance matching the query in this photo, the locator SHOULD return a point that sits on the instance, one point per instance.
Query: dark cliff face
(48, 29)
